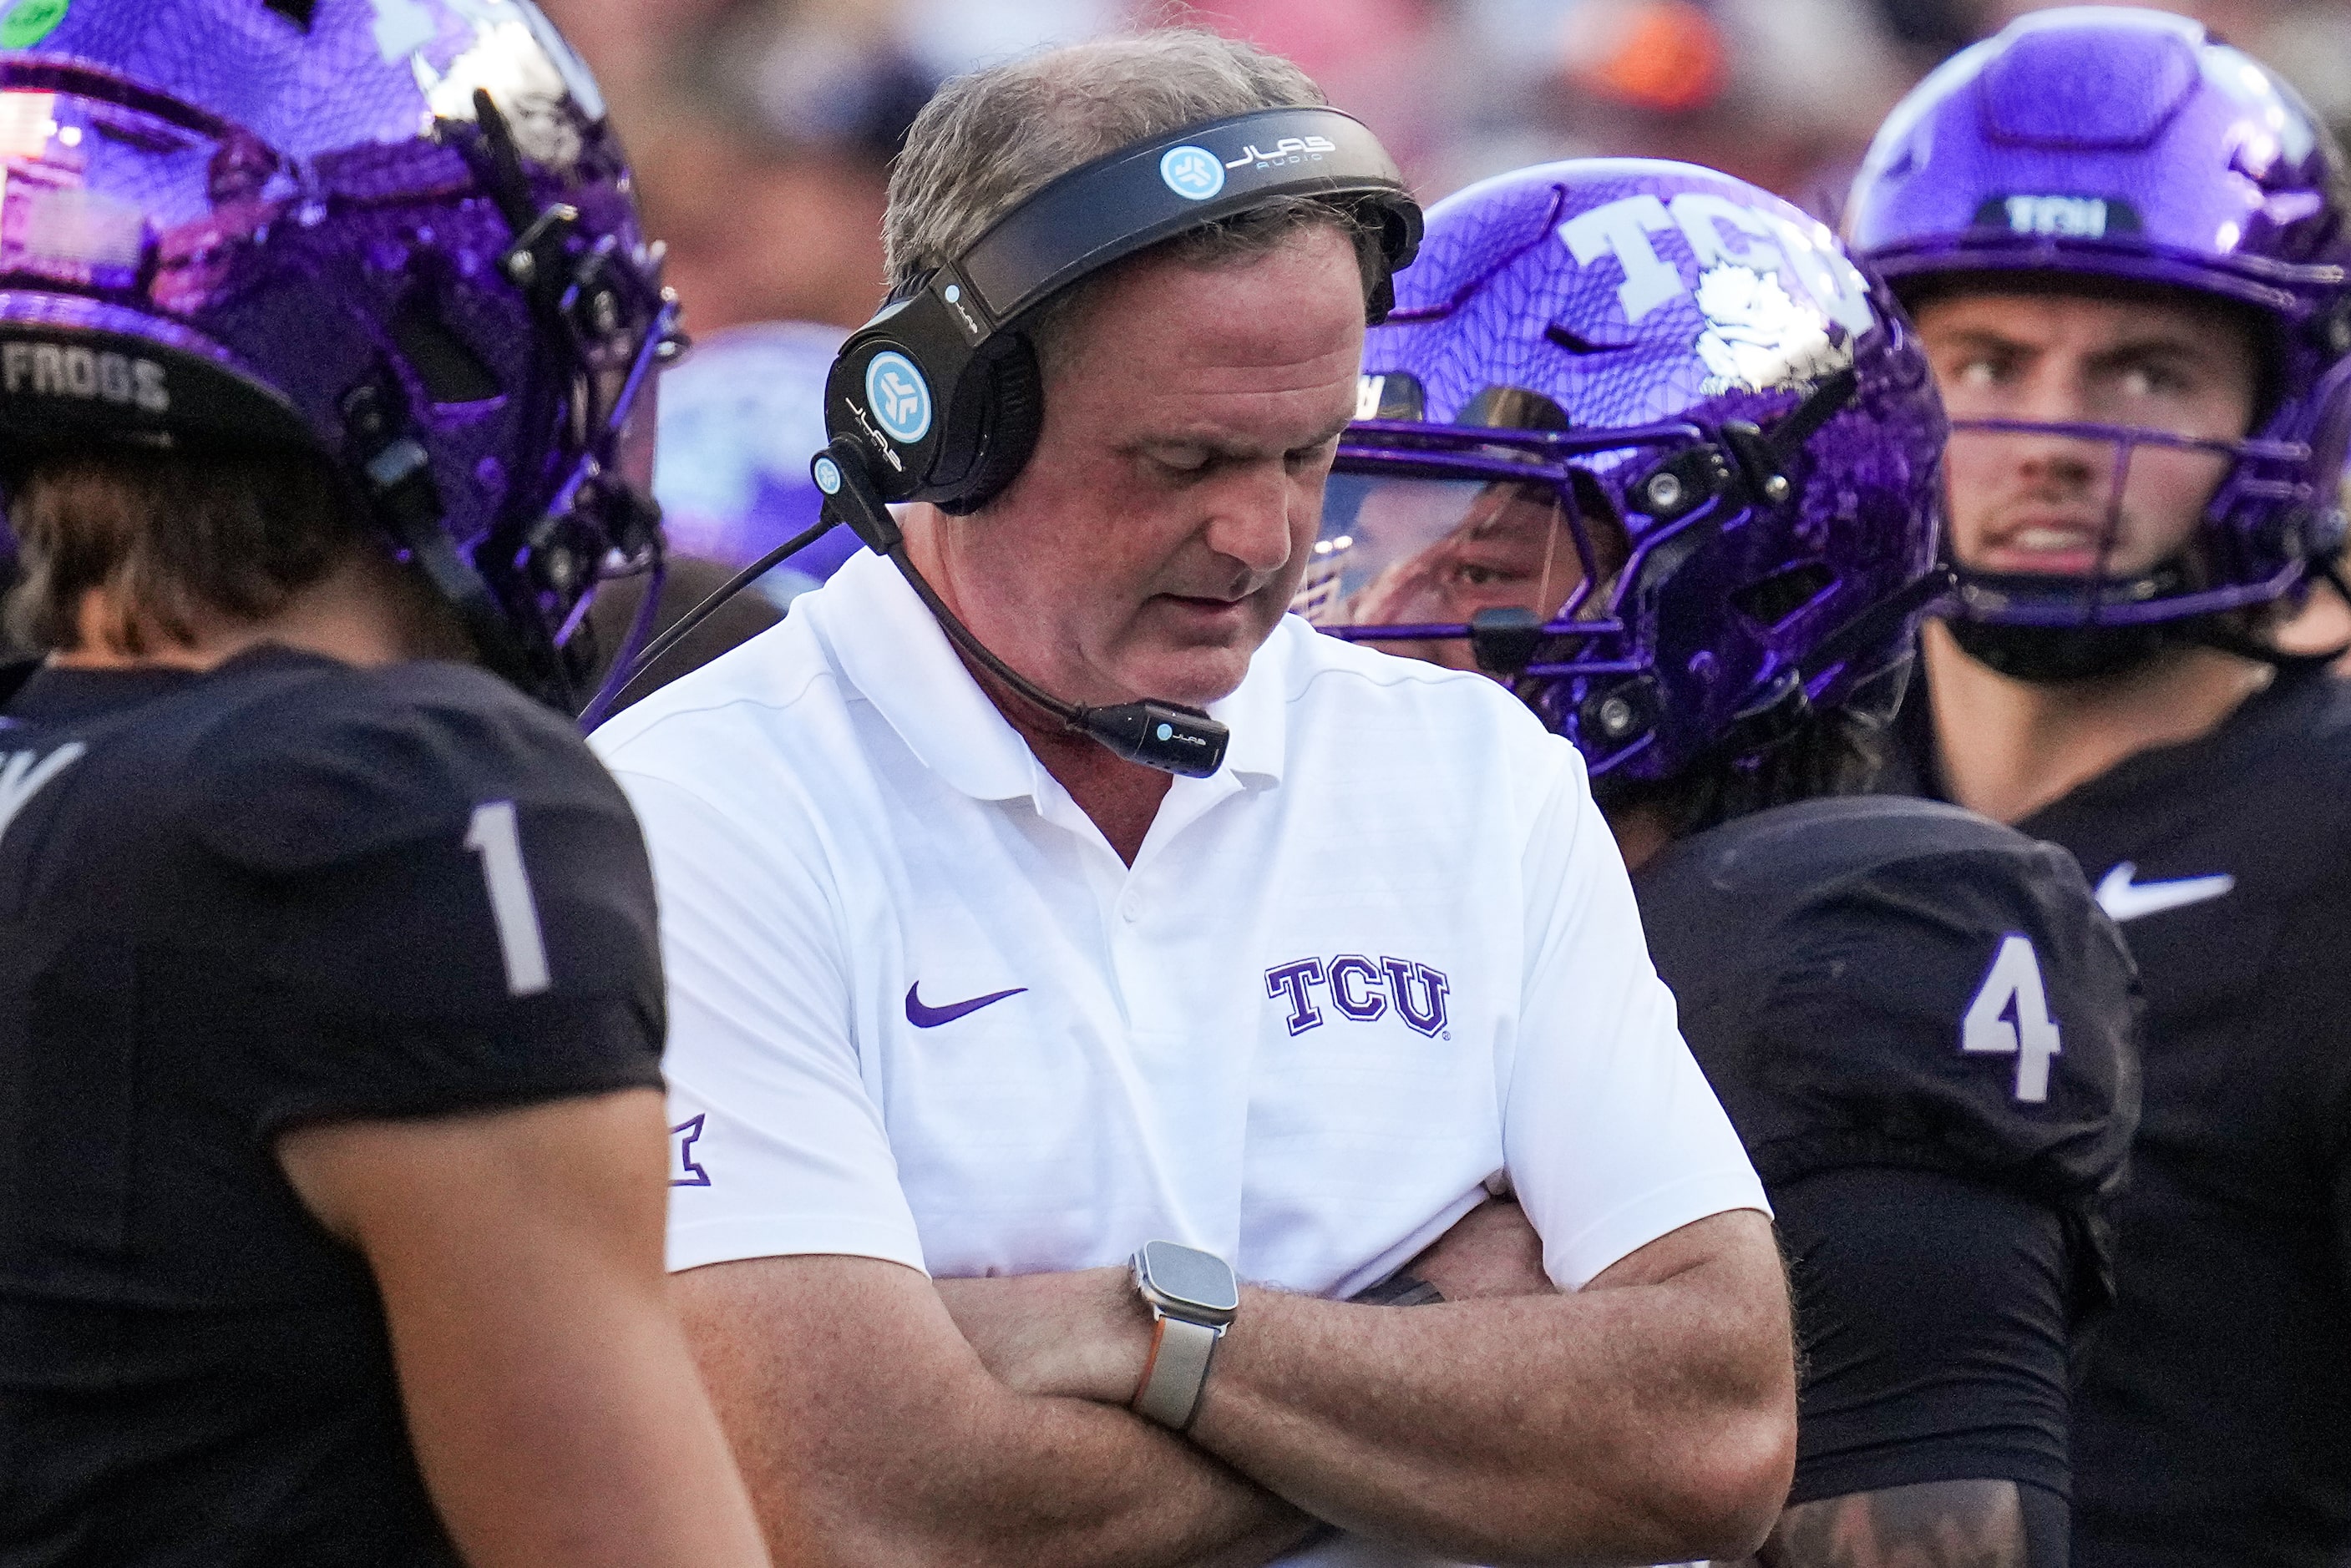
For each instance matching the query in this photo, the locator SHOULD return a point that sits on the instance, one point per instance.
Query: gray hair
(988, 140)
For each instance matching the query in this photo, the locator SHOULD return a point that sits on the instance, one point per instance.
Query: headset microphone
(1168, 736)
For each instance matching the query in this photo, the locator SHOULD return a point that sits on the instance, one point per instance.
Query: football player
(2125, 246)
(331, 1145)
(1641, 440)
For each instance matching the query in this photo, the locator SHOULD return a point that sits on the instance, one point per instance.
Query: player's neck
(1641, 832)
(361, 612)
(2008, 748)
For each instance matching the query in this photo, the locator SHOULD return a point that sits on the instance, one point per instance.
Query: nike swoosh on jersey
(922, 1017)
(2124, 900)
(22, 774)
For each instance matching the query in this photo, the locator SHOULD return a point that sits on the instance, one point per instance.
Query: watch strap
(1176, 1372)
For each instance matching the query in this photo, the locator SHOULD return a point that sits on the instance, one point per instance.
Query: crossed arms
(888, 1419)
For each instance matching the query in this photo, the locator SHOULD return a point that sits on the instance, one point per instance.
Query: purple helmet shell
(1639, 438)
(2121, 145)
(287, 222)
(738, 417)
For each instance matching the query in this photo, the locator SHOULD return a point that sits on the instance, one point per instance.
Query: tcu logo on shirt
(1360, 991)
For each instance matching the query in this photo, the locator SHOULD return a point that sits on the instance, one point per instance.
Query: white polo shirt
(921, 1011)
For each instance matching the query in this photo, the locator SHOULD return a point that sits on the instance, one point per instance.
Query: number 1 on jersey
(2010, 1017)
(495, 838)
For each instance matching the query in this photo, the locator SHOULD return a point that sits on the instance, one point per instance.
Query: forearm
(606, 1457)
(1055, 1482)
(1650, 1418)
(1646, 1422)
(1489, 1432)
(877, 1430)
(1936, 1524)
(549, 1394)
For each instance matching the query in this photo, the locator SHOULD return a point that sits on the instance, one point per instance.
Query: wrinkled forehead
(1263, 348)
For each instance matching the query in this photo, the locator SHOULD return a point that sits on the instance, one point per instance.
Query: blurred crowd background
(762, 130)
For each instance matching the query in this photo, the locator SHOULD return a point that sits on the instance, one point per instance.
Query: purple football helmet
(738, 417)
(2120, 145)
(1639, 439)
(395, 232)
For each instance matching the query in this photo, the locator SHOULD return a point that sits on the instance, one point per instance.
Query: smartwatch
(1193, 1297)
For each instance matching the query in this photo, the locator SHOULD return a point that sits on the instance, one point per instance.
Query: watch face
(1189, 1277)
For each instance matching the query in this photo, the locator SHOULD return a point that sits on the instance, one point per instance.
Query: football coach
(1085, 979)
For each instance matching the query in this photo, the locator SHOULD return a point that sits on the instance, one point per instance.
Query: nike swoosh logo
(2124, 900)
(922, 1017)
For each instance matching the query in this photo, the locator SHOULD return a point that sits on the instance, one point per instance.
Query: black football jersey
(2214, 1425)
(1899, 986)
(282, 891)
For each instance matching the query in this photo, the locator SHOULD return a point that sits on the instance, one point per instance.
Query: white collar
(894, 654)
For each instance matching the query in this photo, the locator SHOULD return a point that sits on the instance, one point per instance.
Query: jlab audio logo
(1289, 150)
(91, 375)
(1194, 173)
(899, 396)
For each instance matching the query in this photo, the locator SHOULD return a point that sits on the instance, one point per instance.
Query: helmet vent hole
(450, 371)
(1785, 594)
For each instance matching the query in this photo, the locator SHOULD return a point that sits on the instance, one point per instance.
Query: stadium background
(761, 128)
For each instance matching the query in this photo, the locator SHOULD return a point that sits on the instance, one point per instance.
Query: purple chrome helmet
(2120, 145)
(738, 418)
(395, 232)
(1639, 439)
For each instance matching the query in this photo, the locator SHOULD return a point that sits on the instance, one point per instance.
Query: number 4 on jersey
(2010, 1017)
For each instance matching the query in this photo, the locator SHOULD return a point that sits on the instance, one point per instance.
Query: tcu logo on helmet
(2076, 217)
(1361, 989)
(1718, 232)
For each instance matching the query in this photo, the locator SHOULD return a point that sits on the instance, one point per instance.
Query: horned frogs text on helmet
(1641, 439)
(290, 222)
(2124, 146)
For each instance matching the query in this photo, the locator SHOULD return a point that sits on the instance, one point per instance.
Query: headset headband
(1102, 212)
(942, 387)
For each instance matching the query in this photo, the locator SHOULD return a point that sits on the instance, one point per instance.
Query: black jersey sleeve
(1981, 1006)
(1933, 1313)
(1869, 982)
(434, 896)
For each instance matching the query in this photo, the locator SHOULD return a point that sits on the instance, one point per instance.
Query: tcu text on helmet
(73, 371)
(1718, 232)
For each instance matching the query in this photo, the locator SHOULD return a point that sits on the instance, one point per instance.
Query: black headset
(939, 398)
(941, 387)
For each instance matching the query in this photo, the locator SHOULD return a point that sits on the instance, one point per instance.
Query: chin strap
(1780, 711)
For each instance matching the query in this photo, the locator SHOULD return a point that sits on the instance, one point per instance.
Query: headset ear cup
(1016, 411)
